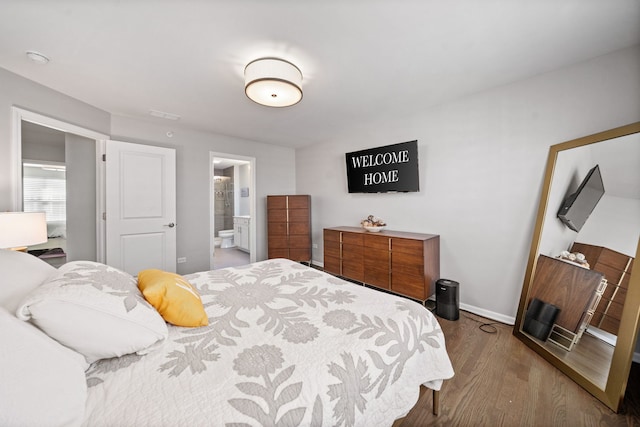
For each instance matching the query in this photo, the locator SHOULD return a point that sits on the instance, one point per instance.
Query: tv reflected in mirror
(577, 207)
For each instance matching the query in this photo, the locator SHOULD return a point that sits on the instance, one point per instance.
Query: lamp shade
(22, 229)
(273, 82)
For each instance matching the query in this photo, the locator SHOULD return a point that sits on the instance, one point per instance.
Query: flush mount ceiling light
(273, 82)
(37, 57)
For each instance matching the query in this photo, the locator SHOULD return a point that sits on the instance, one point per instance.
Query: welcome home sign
(392, 168)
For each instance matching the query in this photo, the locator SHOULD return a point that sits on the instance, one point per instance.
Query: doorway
(231, 212)
(63, 155)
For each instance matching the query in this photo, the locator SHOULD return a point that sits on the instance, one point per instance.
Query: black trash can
(447, 299)
(539, 318)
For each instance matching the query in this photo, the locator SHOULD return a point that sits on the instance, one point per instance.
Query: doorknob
(170, 225)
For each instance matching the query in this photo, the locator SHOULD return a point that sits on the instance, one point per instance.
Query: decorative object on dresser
(373, 224)
(616, 268)
(401, 262)
(289, 227)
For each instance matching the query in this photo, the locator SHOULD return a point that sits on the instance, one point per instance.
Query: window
(44, 190)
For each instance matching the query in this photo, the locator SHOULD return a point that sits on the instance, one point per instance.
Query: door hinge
(104, 216)
(104, 157)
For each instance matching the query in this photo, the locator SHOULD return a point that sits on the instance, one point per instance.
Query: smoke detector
(37, 57)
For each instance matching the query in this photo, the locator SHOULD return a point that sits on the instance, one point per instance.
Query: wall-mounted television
(392, 168)
(577, 207)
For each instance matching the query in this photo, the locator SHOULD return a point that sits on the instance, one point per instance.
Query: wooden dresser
(289, 227)
(568, 286)
(400, 262)
(616, 268)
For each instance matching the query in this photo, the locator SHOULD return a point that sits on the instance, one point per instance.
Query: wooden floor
(501, 382)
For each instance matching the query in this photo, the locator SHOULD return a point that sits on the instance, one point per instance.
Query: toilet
(227, 238)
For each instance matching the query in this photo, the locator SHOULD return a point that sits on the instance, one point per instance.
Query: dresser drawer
(407, 246)
(276, 229)
(354, 239)
(376, 242)
(331, 264)
(331, 236)
(409, 284)
(353, 270)
(277, 215)
(377, 277)
(403, 258)
(298, 202)
(300, 241)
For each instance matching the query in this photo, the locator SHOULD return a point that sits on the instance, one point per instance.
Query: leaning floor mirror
(580, 301)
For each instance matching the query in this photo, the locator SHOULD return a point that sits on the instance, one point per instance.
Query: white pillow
(20, 273)
(41, 382)
(96, 310)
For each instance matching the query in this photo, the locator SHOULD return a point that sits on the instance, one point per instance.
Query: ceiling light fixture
(37, 57)
(273, 82)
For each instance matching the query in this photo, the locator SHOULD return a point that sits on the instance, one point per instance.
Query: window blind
(46, 194)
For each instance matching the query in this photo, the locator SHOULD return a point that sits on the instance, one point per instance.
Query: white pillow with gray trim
(95, 310)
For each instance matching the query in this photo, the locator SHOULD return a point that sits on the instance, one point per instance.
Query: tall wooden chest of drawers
(400, 262)
(289, 227)
(616, 268)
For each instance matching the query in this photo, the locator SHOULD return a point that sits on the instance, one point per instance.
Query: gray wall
(81, 198)
(41, 143)
(482, 161)
(23, 93)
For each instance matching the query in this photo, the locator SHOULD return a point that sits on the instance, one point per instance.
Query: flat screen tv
(392, 168)
(577, 207)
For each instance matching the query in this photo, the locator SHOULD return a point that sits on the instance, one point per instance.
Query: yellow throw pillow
(177, 300)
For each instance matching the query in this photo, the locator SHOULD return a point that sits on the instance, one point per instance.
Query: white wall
(275, 174)
(614, 224)
(570, 169)
(482, 162)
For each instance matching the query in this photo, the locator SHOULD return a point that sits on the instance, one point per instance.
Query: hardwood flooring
(500, 382)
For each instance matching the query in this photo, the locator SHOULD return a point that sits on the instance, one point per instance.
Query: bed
(283, 345)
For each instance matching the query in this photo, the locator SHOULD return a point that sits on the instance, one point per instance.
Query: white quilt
(286, 345)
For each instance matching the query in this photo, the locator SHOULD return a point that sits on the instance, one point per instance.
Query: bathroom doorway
(232, 207)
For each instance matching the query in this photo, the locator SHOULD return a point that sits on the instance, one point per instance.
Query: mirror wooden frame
(616, 383)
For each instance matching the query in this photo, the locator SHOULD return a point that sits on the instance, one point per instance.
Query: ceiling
(362, 60)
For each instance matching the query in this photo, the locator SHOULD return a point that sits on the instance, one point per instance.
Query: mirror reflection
(581, 263)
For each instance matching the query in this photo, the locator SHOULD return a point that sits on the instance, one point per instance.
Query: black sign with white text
(384, 169)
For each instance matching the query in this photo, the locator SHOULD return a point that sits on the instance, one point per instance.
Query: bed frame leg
(436, 402)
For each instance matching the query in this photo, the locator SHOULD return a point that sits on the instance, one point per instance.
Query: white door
(140, 183)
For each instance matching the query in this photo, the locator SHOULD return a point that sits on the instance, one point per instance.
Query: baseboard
(509, 320)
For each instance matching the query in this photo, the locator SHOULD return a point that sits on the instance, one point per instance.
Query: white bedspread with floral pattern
(287, 345)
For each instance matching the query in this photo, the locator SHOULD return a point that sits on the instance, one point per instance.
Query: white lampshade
(19, 229)
(273, 82)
